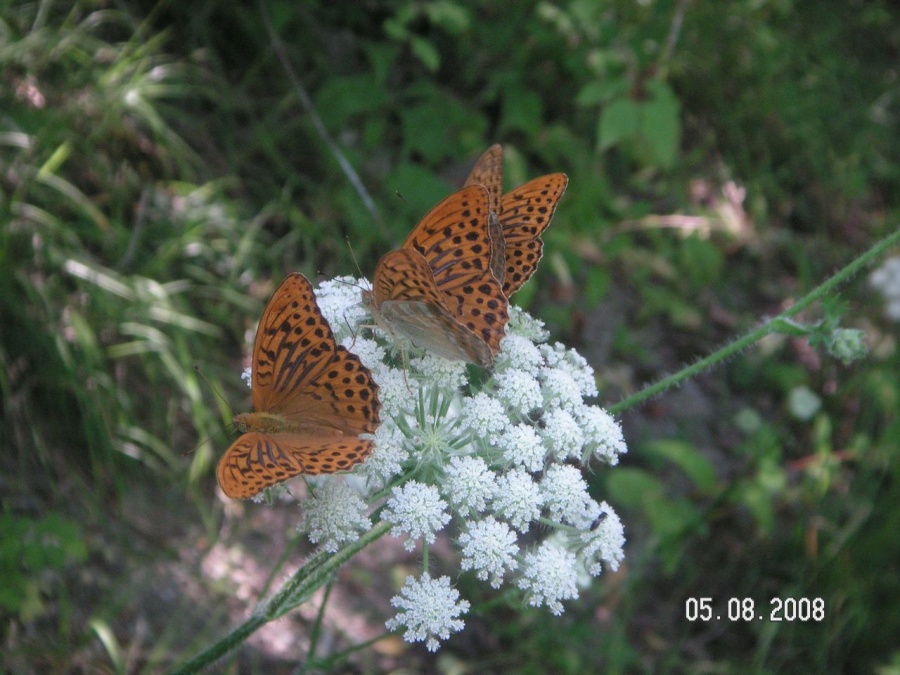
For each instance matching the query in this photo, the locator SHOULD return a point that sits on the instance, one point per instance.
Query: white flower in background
(369, 351)
(393, 392)
(886, 278)
(518, 499)
(418, 510)
(523, 324)
(441, 372)
(602, 542)
(521, 353)
(485, 454)
(518, 390)
(847, 344)
(485, 416)
(489, 546)
(573, 363)
(429, 610)
(549, 575)
(335, 515)
(602, 435)
(565, 494)
(803, 403)
(562, 435)
(522, 446)
(389, 457)
(469, 484)
(560, 390)
(339, 300)
(276, 493)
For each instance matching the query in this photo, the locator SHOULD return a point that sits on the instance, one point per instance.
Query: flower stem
(761, 331)
(298, 589)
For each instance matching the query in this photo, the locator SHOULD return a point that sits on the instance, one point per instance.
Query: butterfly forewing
(454, 240)
(293, 345)
(438, 289)
(488, 171)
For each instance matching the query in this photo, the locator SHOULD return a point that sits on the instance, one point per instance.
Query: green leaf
(450, 16)
(591, 94)
(618, 120)
(522, 111)
(431, 126)
(13, 590)
(426, 52)
(670, 517)
(660, 123)
(418, 187)
(340, 98)
(631, 487)
(685, 456)
(759, 503)
(598, 283)
(600, 91)
(701, 261)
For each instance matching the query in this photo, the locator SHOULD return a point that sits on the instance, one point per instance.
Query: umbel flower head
(494, 460)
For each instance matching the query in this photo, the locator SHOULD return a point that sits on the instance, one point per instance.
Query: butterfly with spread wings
(311, 396)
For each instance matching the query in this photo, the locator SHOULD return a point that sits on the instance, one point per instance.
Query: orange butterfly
(521, 216)
(438, 289)
(312, 399)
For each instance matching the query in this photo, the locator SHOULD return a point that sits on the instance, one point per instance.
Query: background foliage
(163, 165)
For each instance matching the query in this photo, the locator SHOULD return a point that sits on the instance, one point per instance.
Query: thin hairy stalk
(317, 628)
(305, 581)
(758, 333)
(318, 125)
(338, 657)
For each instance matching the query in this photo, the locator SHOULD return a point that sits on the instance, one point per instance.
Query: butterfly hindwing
(404, 274)
(409, 302)
(525, 213)
(522, 215)
(257, 460)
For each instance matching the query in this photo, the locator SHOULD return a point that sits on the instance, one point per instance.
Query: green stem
(758, 333)
(316, 628)
(305, 581)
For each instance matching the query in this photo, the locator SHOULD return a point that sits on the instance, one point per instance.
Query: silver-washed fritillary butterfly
(438, 288)
(518, 218)
(312, 398)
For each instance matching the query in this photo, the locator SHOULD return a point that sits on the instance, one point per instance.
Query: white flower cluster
(489, 456)
(886, 279)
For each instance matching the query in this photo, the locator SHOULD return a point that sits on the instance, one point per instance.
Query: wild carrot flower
(483, 456)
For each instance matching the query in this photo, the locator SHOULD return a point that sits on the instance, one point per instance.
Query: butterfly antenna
(208, 439)
(353, 255)
(215, 390)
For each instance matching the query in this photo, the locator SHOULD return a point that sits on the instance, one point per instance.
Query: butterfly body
(438, 288)
(312, 399)
(260, 421)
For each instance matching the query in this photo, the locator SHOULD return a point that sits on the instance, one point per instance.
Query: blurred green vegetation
(163, 164)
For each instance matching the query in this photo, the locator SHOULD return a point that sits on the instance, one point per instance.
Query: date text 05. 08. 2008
(745, 609)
